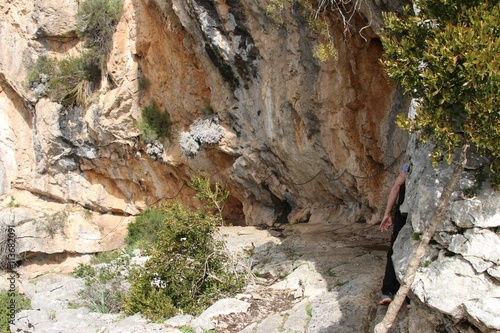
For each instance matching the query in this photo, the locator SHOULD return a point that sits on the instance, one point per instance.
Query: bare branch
(437, 217)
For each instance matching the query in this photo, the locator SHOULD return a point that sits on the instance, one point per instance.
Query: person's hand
(386, 223)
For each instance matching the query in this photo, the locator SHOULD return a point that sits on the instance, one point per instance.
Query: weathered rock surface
(56, 237)
(297, 131)
(459, 276)
(301, 140)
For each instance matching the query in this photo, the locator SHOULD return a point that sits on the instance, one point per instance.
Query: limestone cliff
(300, 134)
(303, 140)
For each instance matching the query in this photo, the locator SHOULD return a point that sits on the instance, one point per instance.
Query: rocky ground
(316, 278)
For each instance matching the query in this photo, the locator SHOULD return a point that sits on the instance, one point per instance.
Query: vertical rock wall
(301, 137)
(298, 129)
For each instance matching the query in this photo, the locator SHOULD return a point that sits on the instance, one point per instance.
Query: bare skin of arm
(393, 195)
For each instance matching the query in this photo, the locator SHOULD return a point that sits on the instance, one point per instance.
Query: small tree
(446, 57)
(189, 266)
(187, 271)
(214, 196)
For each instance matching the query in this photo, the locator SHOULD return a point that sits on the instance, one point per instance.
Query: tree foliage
(446, 56)
(214, 196)
(189, 265)
(142, 232)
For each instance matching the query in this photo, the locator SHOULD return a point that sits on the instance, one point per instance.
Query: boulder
(56, 19)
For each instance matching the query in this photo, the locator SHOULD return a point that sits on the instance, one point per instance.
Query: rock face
(459, 276)
(55, 237)
(300, 134)
(295, 140)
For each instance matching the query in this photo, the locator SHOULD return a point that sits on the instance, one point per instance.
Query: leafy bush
(142, 232)
(70, 83)
(38, 78)
(83, 271)
(155, 124)
(446, 56)
(6, 299)
(66, 81)
(188, 269)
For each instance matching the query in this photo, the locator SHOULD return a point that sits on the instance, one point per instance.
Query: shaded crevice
(224, 69)
(282, 208)
(41, 258)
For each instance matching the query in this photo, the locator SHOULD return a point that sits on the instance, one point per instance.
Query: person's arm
(393, 195)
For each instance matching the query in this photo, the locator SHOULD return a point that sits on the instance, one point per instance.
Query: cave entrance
(233, 212)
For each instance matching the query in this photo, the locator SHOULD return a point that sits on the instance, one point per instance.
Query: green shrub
(39, 77)
(6, 299)
(214, 196)
(155, 124)
(83, 271)
(142, 232)
(70, 82)
(188, 268)
(97, 20)
(66, 81)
